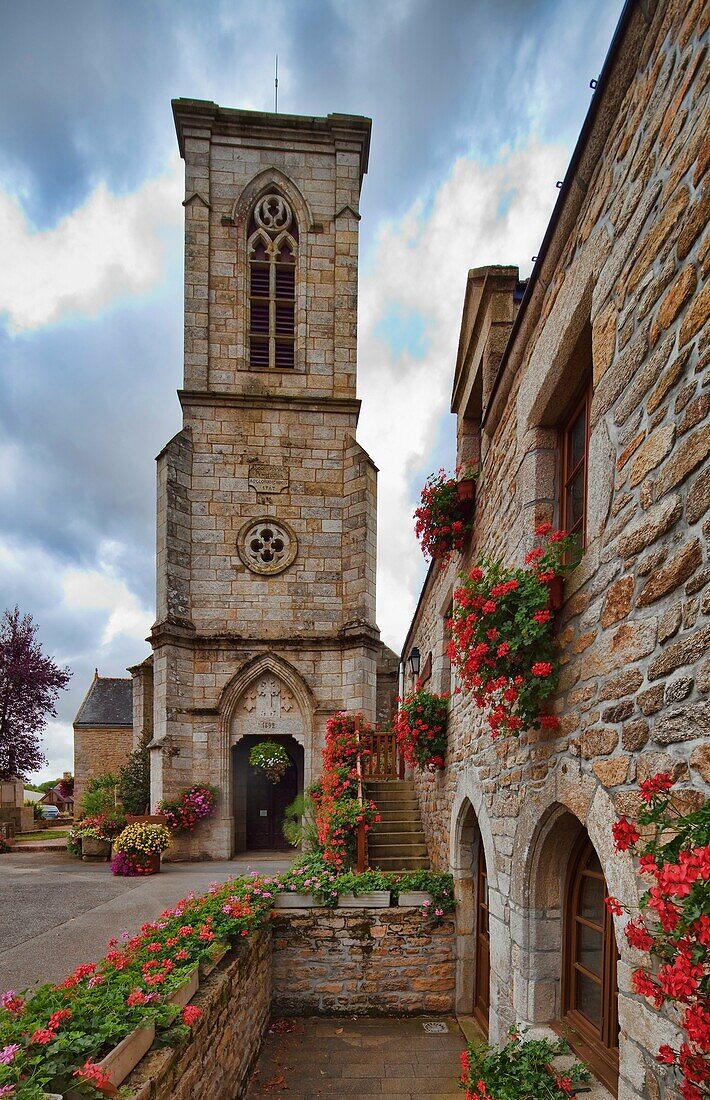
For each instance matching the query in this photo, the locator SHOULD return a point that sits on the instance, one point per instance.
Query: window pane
(575, 500)
(590, 948)
(591, 899)
(577, 438)
(588, 999)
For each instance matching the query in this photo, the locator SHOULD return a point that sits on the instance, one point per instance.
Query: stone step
(392, 851)
(397, 803)
(401, 863)
(391, 785)
(399, 825)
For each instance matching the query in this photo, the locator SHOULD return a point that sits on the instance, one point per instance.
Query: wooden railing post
(361, 857)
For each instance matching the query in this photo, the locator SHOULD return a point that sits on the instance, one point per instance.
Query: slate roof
(109, 702)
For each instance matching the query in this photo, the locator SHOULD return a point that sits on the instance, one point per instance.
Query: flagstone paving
(358, 1056)
(57, 912)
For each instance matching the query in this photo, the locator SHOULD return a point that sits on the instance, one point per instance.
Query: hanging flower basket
(444, 518)
(270, 758)
(420, 729)
(502, 639)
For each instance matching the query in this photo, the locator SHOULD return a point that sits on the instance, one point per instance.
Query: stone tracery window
(267, 546)
(272, 247)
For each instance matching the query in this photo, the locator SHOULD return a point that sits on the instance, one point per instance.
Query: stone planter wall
(235, 1000)
(361, 961)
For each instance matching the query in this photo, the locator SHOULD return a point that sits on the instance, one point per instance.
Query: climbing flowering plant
(501, 634)
(338, 810)
(673, 922)
(420, 728)
(192, 805)
(442, 520)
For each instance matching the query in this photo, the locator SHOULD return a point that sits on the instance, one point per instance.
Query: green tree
(134, 782)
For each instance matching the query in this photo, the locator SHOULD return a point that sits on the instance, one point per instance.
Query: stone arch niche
(266, 700)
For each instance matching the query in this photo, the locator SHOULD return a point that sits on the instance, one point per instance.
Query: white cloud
(109, 247)
(420, 263)
(99, 619)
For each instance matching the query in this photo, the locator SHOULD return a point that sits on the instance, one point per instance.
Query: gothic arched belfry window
(272, 245)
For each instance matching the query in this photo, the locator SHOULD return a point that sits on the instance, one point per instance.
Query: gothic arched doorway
(259, 804)
(267, 710)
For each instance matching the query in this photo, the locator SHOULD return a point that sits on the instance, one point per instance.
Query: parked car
(50, 812)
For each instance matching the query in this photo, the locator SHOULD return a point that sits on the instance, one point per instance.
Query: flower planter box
(219, 950)
(185, 992)
(295, 901)
(415, 897)
(378, 899)
(120, 1061)
(466, 493)
(92, 849)
(556, 589)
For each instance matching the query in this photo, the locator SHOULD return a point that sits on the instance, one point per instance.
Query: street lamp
(414, 661)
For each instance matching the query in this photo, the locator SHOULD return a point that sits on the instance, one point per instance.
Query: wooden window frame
(598, 1047)
(482, 988)
(567, 474)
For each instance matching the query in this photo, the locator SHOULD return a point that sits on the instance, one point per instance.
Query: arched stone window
(272, 247)
(589, 991)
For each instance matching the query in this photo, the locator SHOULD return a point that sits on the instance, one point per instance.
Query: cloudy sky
(476, 106)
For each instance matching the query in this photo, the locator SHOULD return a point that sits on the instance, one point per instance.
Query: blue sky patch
(405, 330)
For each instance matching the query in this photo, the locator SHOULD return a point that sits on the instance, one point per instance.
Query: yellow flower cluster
(142, 839)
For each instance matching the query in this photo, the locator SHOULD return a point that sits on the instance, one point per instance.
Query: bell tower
(266, 533)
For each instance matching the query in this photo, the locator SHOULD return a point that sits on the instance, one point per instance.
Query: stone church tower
(266, 526)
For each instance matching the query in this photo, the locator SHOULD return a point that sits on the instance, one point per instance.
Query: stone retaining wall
(362, 961)
(223, 1045)
(358, 961)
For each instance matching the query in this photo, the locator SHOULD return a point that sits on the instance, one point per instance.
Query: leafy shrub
(134, 781)
(521, 1070)
(99, 795)
(299, 825)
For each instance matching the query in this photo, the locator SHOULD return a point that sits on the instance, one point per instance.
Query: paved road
(56, 911)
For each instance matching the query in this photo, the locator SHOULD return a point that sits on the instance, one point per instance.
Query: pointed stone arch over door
(267, 700)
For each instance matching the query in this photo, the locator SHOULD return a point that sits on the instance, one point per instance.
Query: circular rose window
(266, 545)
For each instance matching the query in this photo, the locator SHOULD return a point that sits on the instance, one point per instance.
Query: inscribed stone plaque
(268, 479)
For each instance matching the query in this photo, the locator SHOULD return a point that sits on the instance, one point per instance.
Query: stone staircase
(397, 843)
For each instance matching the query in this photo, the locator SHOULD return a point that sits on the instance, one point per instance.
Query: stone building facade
(607, 351)
(266, 541)
(103, 730)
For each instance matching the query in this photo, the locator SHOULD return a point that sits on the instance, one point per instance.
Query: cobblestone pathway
(306, 1059)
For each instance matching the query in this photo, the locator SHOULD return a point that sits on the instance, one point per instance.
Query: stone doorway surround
(267, 698)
